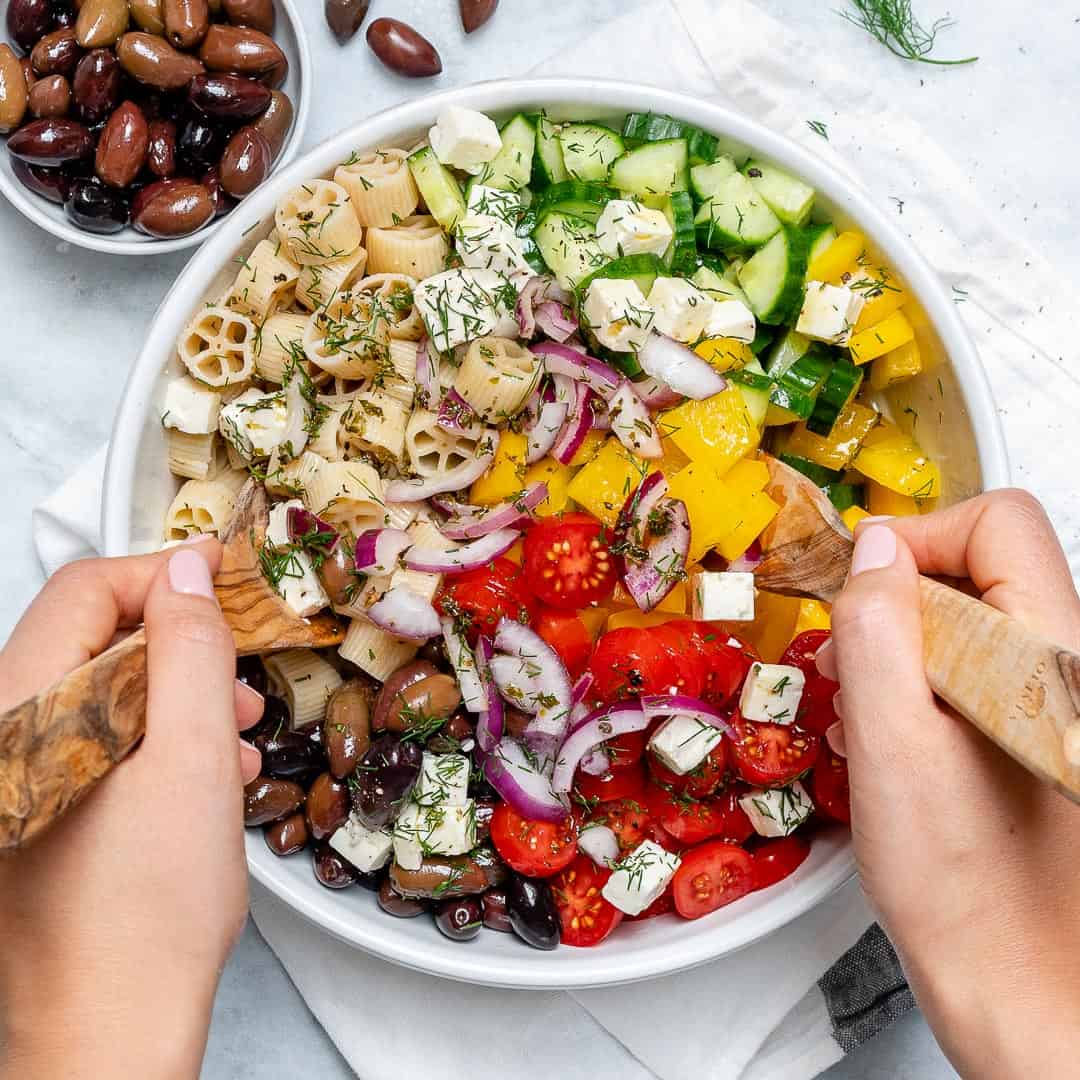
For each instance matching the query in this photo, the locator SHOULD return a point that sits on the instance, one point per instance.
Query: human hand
(117, 922)
(969, 862)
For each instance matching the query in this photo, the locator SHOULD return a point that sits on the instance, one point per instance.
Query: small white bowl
(291, 37)
(958, 426)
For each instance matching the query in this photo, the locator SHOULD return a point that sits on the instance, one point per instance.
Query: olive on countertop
(384, 777)
(258, 14)
(101, 22)
(533, 915)
(122, 146)
(347, 727)
(14, 92)
(460, 919)
(267, 799)
(345, 16)
(51, 142)
(97, 85)
(493, 909)
(245, 162)
(276, 123)
(402, 49)
(27, 21)
(287, 836)
(50, 96)
(186, 22)
(153, 61)
(50, 184)
(228, 97)
(331, 869)
(56, 54)
(474, 13)
(326, 806)
(398, 906)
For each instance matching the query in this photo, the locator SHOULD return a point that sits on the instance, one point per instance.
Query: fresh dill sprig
(897, 27)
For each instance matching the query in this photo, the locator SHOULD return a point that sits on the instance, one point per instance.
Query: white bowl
(958, 426)
(291, 37)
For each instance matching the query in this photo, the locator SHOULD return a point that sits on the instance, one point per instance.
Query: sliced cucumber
(845, 496)
(681, 255)
(654, 168)
(789, 198)
(818, 473)
(774, 279)
(840, 387)
(589, 149)
(437, 186)
(568, 246)
(548, 165)
(763, 338)
(705, 180)
(735, 218)
(786, 351)
(821, 237)
(524, 228)
(511, 168)
(755, 387)
(643, 269)
(655, 127)
(576, 197)
(795, 393)
(708, 280)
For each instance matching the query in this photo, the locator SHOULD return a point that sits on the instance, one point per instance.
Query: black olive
(460, 919)
(384, 777)
(290, 755)
(331, 869)
(250, 671)
(95, 207)
(531, 907)
(200, 144)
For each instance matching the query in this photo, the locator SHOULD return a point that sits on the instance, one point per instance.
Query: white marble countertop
(73, 321)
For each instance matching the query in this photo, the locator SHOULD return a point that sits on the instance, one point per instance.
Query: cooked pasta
(496, 377)
(318, 285)
(200, 506)
(190, 456)
(218, 347)
(373, 650)
(417, 247)
(349, 337)
(399, 380)
(381, 187)
(347, 494)
(333, 409)
(401, 515)
(280, 341)
(305, 680)
(433, 450)
(293, 478)
(316, 223)
(265, 282)
(393, 294)
(375, 424)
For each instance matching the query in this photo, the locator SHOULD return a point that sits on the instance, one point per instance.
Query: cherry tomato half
(568, 636)
(627, 783)
(711, 876)
(626, 750)
(687, 666)
(776, 859)
(480, 598)
(628, 819)
(568, 562)
(628, 662)
(664, 904)
(816, 713)
(830, 788)
(586, 917)
(771, 754)
(702, 780)
(532, 848)
(724, 659)
(687, 820)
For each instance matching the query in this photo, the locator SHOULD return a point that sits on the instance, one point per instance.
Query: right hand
(970, 863)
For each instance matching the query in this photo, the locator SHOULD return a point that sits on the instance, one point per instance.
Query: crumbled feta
(465, 139)
(486, 242)
(460, 305)
(433, 830)
(639, 878)
(618, 314)
(722, 594)
(681, 308)
(300, 586)
(190, 407)
(628, 228)
(771, 693)
(366, 849)
(444, 778)
(494, 202)
(682, 743)
(829, 312)
(729, 319)
(255, 423)
(777, 811)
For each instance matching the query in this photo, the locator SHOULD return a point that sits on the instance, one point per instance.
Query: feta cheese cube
(628, 228)
(722, 594)
(494, 202)
(639, 878)
(366, 849)
(682, 743)
(190, 407)
(486, 242)
(730, 319)
(829, 312)
(460, 305)
(433, 830)
(681, 308)
(300, 587)
(618, 314)
(777, 811)
(444, 779)
(255, 423)
(771, 693)
(465, 139)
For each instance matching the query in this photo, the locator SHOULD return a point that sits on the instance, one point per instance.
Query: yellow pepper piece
(587, 450)
(853, 515)
(594, 619)
(813, 615)
(673, 460)
(747, 476)
(887, 335)
(506, 477)
(896, 366)
(557, 477)
(604, 485)
(887, 503)
(718, 431)
(839, 258)
(710, 504)
(516, 554)
(895, 461)
(773, 627)
(754, 513)
(724, 354)
(674, 603)
(835, 450)
(882, 301)
(640, 620)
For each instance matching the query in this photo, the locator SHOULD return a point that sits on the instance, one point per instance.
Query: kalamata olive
(384, 777)
(484, 810)
(63, 18)
(153, 61)
(123, 145)
(267, 799)
(101, 22)
(29, 74)
(286, 755)
(241, 50)
(287, 836)
(347, 727)
(147, 16)
(228, 97)
(200, 143)
(449, 739)
(338, 571)
(474, 13)
(212, 182)
(515, 722)
(56, 53)
(435, 697)
(50, 96)
(402, 49)
(389, 696)
(14, 93)
(459, 919)
(331, 869)
(28, 20)
(443, 877)
(493, 909)
(398, 906)
(345, 16)
(51, 184)
(258, 14)
(97, 85)
(276, 122)
(186, 21)
(533, 915)
(249, 669)
(275, 717)
(326, 806)
(51, 142)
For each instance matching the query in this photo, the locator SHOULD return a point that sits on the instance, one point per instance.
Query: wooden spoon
(1016, 687)
(55, 747)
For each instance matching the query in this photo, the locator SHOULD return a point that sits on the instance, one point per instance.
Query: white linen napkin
(764, 1000)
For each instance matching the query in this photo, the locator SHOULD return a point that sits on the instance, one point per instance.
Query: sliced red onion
(656, 394)
(463, 661)
(524, 787)
(749, 560)
(405, 614)
(457, 415)
(648, 581)
(601, 414)
(555, 320)
(561, 359)
(578, 424)
(399, 491)
(600, 843)
(534, 292)
(654, 705)
(599, 726)
(469, 556)
(679, 367)
(301, 523)
(834, 736)
(581, 689)
(596, 762)
(470, 522)
(427, 374)
(632, 425)
(490, 722)
(378, 550)
(634, 516)
(548, 413)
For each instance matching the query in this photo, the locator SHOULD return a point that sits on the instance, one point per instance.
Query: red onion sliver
(632, 425)
(554, 320)
(577, 426)
(528, 790)
(634, 516)
(469, 556)
(399, 491)
(463, 662)
(656, 394)
(680, 368)
(490, 722)
(457, 415)
(600, 843)
(301, 523)
(650, 580)
(581, 688)
(405, 614)
(599, 726)
(547, 411)
(470, 522)
(750, 559)
(596, 762)
(560, 359)
(834, 736)
(427, 374)
(378, 550)
(654, 705)
(551, 700)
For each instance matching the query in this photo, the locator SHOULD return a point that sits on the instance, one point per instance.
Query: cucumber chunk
(681, 255)
(706, 180)
(840, 388)
(755, 386)
(511, 168)
(656, 127)
(845, 496)
(786, 351)
(654, 168)
(568, 247)
(774, 279)
(589, 149)
(818, 473)
(736, 217)
(439, 188)
(795, 393)
(789, 198)
(577, 197)
(717, 286)
(821, 238)
(643, 269)
(548, 165)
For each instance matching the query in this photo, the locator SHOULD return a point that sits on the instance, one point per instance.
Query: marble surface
(73, 321)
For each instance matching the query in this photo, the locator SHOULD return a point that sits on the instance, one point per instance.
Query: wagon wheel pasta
(381, 187)
(316, 223)
(218, 347)
(417, 247)
(433, 450)
(349, 337)
(496, 377)
(318, 285)
(266, 281)
(394, 294)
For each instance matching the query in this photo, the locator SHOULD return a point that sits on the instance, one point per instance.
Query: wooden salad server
(1014, 686)
(55, 747)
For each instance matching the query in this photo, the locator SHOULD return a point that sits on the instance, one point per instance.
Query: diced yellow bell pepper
(895, 366)
(673, 460)
(516, 554)
(710, 504)
(881, 301)
(853, 515)
(594, 618)
(506, 477)
(813, 615)
(895, 461)
(773, 627)
(604, 485)
(747, 476)
(884, 502)
(885, 336)
(640, 620)
(839, 258)
(674, 603)
(724, 354)
(557, 477)
(587, 450)
(718, 431)
(754, 513)
(837, 449)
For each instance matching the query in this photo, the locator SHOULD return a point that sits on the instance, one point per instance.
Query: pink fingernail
(875, 519)
(250, 761)
(190, 574)
(822, 658)
(250, 692)
(875, 549)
